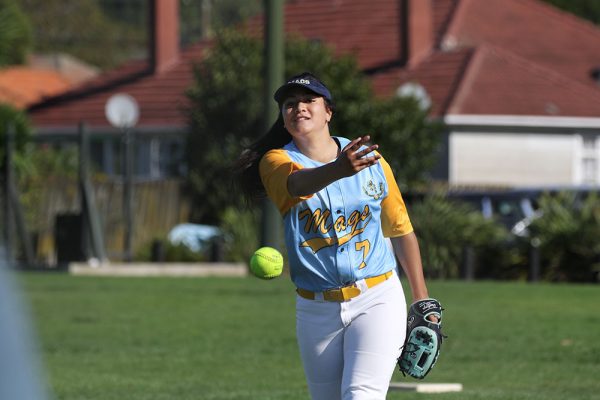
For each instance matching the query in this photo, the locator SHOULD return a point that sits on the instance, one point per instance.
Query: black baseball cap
(305, 80)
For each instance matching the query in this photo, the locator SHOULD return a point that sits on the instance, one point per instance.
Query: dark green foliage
(568, 232)
(82, 29)
(586, 9)
(240, 227)
(15, 34)
(204, 17)
(227, 106)
(227, 109)
(39, 168)
(172, 253)
(407, 138)
(17, 120)
(445, 228)
(106, 33)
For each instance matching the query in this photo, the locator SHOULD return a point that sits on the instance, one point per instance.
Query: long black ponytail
(245, 168)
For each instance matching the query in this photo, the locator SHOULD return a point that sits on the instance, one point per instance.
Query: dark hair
(246, 167)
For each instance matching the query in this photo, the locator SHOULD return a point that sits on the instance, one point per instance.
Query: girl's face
(305, 112)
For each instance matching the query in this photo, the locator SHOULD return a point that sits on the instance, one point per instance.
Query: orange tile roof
(367, 29)
(500, 82)
(440, 74)
(529, 59)
(22, 86)
(530, 29)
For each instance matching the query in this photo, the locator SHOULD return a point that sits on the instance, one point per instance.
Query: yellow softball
(266, 263)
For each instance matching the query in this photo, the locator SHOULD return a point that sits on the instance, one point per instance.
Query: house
(21, 86)
(157, 84)
(516, 81)
(41, 77)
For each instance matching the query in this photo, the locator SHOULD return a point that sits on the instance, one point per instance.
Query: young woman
(339, 201)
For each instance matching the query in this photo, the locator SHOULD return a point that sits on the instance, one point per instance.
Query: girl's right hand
(353, 160)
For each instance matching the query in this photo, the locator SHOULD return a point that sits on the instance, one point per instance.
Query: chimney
(164, 39)
(418, 29)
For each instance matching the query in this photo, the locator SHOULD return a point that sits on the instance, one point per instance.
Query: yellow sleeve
(275, 167)
(394, 217)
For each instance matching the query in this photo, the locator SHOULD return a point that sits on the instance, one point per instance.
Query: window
(589, 160)
(155, 156)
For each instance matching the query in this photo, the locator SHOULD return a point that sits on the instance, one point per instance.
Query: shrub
(568, 232)
(170, 252)
(241, 229)
(446, 228)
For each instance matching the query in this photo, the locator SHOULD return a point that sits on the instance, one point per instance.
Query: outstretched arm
(350, 161)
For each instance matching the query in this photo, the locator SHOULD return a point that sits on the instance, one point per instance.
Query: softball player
(339, 201)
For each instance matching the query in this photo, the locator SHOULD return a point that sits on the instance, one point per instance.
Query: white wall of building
(523, 152)
(512, 159)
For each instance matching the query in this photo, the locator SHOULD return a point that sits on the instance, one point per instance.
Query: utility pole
(274, 62)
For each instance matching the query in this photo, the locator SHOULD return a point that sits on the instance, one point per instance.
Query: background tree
(200, 18)
(227, 108)
(407, 137)
(586, 9)
(15, 34)
(106, 33)
(11, 118)
(446, 228)
(83, 29)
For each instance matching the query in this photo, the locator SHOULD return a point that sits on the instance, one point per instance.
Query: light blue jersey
(336, 236)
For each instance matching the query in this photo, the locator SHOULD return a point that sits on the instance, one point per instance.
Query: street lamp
(122, 111)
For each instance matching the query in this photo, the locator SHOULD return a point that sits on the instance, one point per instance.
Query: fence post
(21, 226)
(468, 263)
(14, 218)
(90, 218)
(128, 194)
(534, 260)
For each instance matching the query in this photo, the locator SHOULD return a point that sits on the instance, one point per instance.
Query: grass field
(233, 338)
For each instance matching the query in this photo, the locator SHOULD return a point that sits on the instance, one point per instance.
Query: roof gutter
(521, 121)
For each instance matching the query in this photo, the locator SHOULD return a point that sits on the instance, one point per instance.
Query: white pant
(349, 350)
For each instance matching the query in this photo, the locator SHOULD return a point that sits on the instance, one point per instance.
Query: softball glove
(423, 339)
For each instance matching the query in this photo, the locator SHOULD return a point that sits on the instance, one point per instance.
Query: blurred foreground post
(20, 377)
(274, 37)
(7, 184)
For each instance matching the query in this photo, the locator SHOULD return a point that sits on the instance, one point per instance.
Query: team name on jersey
(321, 221)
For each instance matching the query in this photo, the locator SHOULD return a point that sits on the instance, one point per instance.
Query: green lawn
(233, 338)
